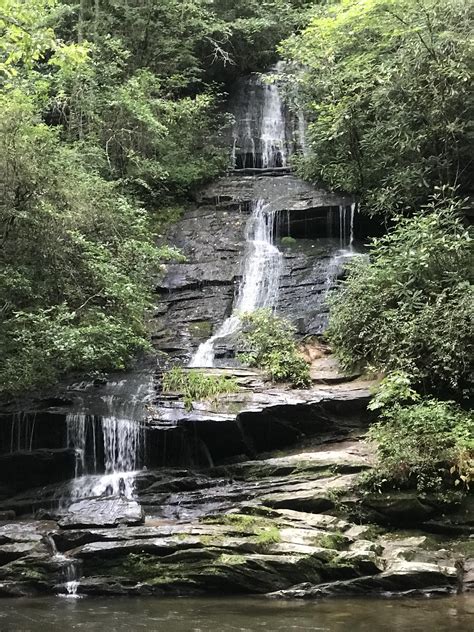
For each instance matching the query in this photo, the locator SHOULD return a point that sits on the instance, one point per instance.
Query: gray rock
(27, 469)
(400, 579)
(110, 511)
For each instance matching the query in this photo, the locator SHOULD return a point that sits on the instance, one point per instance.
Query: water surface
(117, 614)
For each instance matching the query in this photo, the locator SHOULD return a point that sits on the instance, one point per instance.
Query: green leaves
(76, 258)
(271, 346)
(426, 446)
(385, 84)
(409, 308)
(196, 385)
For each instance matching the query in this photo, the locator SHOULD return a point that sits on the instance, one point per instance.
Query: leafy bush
(427, 445)
(272, 347)
(410, 307)
(75, 261)
(196, 385)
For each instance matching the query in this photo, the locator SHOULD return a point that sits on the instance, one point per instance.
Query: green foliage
(196, 385)
(250, 31)
(394, 388)
(410, 307)
(75, 260)
(269, 536)
(428, 445)
(335, 540)
(386, 84)
(272, 347)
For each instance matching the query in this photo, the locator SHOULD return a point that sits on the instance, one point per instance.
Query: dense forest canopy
(387, 84)
(113, 112)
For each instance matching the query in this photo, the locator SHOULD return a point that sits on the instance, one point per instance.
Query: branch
(407, 24)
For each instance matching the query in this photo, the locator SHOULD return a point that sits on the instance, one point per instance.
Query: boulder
(109, 511)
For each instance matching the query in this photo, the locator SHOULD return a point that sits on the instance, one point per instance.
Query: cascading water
(273, 129)
(112, 442)
(266, 132)
(346, 226)
(346, 251)
(22, 432)
(262, 266)
(69, 570)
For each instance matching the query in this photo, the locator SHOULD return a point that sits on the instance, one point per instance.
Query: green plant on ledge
(271, 346)
(427, 445)
(196, 385)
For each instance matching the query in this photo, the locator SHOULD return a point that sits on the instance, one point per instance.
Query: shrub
(272, 347)
(196, 385)
(427, 445)
(410, 307)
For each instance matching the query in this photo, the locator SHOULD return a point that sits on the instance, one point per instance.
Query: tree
(386, 84)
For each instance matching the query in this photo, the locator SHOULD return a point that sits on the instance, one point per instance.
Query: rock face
(256, 420)
(24, 470)
(281, 525)
(102, 512)
(197, 295)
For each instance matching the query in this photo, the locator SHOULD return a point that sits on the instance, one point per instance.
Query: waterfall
(116, 437)
(262, 266)
(346, 252)
(22, 432)
(346, 226)
(69, 569)
(266, 133)
(273, 129)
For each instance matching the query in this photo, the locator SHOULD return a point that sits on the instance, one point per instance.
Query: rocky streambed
(291, 523)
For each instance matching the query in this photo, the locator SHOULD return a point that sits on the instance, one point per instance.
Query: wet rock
(110, 511)
(255, 421)
(400, 579)
(9, 552)
(286, 192)
(410, 508)
(25, 470)
(314, 496)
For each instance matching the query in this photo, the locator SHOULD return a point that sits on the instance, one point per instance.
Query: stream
(454, 614)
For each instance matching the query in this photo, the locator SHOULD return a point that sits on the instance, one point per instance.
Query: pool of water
(117, 614)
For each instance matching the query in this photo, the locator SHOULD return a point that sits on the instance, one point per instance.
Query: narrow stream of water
(262, 265)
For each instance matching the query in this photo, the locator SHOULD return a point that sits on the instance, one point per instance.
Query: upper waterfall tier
(266, 133)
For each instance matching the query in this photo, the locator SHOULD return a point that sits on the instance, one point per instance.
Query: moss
(464, 547)
(201, 329)
(269, 536)
(241, 523)
(26, 570)
(335, 540)
(287, 241)
(232, 560)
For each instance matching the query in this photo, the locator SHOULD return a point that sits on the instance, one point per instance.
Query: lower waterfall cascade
(112, 443)
(262, 267)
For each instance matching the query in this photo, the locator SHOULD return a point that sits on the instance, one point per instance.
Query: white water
(69, 570)
(262, 266)
(346, 226)
(346, 252)
(22, 432)
(273, 129)
(118, 432)
(266, 133)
